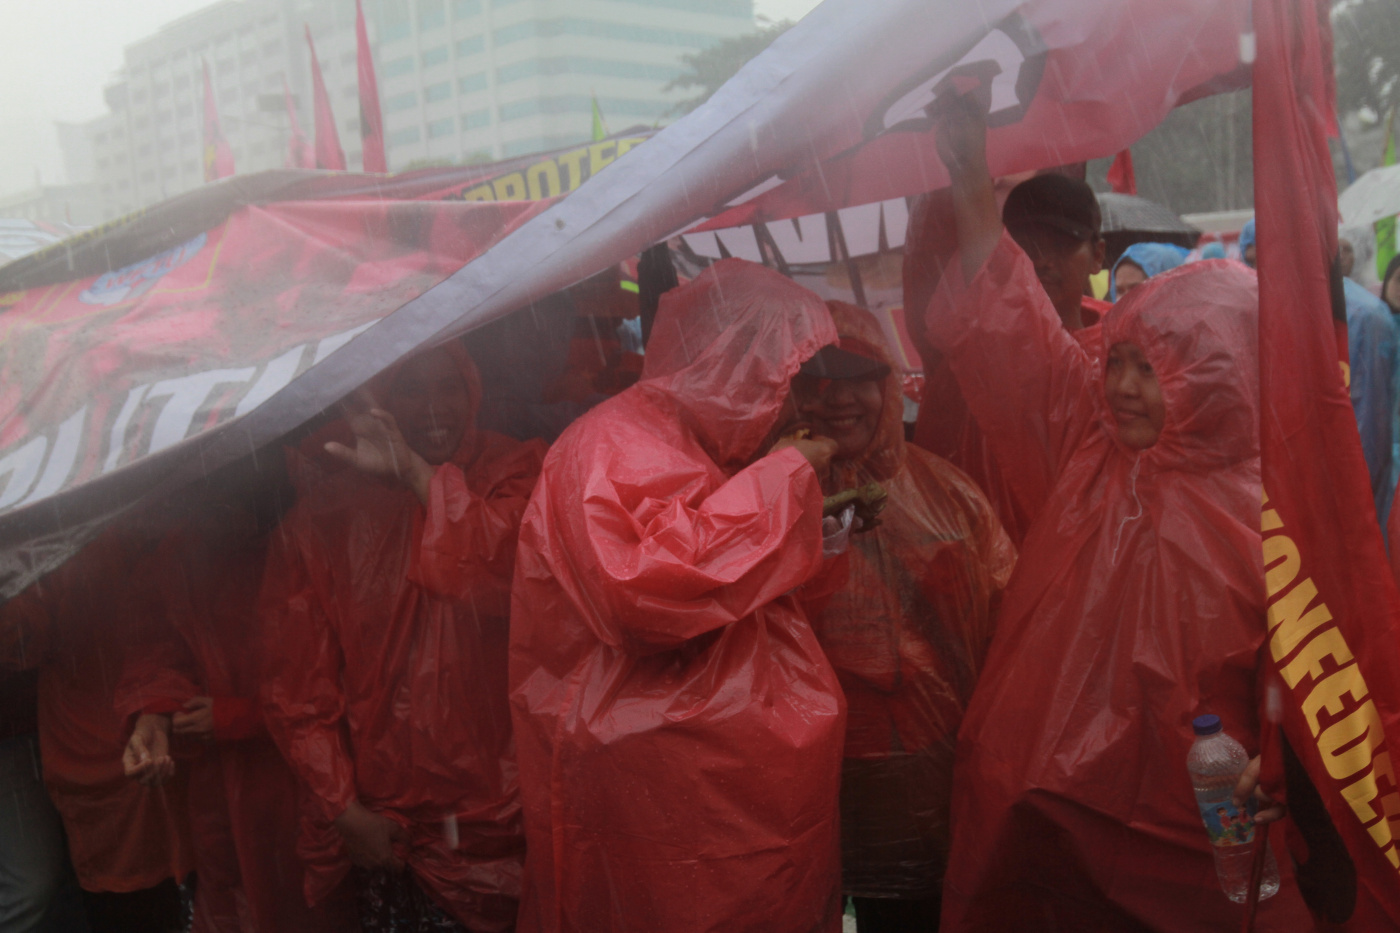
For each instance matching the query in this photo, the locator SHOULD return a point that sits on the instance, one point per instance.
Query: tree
(1366, 40)
(709, 68)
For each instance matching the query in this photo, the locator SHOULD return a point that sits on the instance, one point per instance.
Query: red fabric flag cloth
(299, 151)
(328, 152)
(1121, 177)
(1332, 604)
(371, 122)
(218, 157)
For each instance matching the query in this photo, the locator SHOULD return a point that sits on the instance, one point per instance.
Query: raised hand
(369, 838)
(380, 448)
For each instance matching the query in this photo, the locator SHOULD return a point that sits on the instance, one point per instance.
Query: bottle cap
(1209, 724)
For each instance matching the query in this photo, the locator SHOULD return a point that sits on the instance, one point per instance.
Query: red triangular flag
(218, 157)
(1121, 177)
(328, 152)
(371, 122)
(299, 151)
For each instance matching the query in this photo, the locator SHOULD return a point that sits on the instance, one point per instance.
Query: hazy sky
(57, 55)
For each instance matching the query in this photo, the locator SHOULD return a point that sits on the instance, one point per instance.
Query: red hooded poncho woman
(907, 635)
(384, 645)
(679, 728)
(1137, 605)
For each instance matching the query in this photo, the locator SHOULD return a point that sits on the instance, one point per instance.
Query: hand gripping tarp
(679, 729)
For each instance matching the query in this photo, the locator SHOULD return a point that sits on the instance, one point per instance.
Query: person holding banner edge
(1138, 603)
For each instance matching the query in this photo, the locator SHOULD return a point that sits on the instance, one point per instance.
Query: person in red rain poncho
(1138, 602)
(1056, 220)
(385, 607)
(907, 633)
(679, 729)
(193, 672)
(129, 844)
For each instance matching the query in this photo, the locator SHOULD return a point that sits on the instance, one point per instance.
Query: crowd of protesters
(406, 673)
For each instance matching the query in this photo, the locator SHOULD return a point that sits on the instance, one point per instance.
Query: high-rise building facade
(458, 80)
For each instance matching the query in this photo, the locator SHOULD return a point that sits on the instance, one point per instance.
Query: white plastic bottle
(1216, 762)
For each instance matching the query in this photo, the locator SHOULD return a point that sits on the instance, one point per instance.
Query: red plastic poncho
(679, 728)
(907, 635)
(242, 796)
(1137, 605)
(75, 623)
(385, 638)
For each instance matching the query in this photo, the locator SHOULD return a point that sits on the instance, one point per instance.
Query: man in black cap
(1056, 220)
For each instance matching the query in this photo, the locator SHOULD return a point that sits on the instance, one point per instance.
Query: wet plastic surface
(678, 725)
(1137, 604)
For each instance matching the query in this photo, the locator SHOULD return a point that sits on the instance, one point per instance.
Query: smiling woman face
(845, 410)
(1134, 396)
(429, 400)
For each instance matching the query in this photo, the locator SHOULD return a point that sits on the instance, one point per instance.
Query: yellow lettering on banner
(511, 187)
(543, 178)
(1329, 643)
(1363, 723)
(573, 162)
(600, 156)
(1291, 621)
(479, 193)
(1368, 787)
(625, 146)
(1269, 520)
(1281, 549)
(1328, 694)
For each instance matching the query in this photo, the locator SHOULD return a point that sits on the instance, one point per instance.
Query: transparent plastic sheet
(1138, 604)
(385, 634)
(679, 729)
(907, 635)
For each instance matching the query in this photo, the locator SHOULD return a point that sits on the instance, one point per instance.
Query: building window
(578, 65)
(472, 46)
(435, 56)
(103, 163)
(436, 92)
(401, 102)
(580, 103)
(148, 175)
(272, 49)
(431, 14)
(161, 90)
(399, 66)
(144, 149)
(352, 125)
(476, 119)
(440, 128)
(182, 82)
(248, 59)
(403, 137)
(472, 83)
(187, 138)
(547, 28)
(99, 138)
(465, 9)
(140, 123)
(351, 91)
(225, 65)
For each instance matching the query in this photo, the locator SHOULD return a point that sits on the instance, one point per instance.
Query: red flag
(1121, 177)
(371, 122)
(328, 151)
(218, 157)
(1332, 619)
(299, 151)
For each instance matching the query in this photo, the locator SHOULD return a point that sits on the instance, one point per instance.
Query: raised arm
(1026, 380)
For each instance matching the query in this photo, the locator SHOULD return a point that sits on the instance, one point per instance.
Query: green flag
(600, 129)
(1385, 229)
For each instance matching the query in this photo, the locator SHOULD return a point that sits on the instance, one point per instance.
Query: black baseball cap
(1056, 201)
(832, 362)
